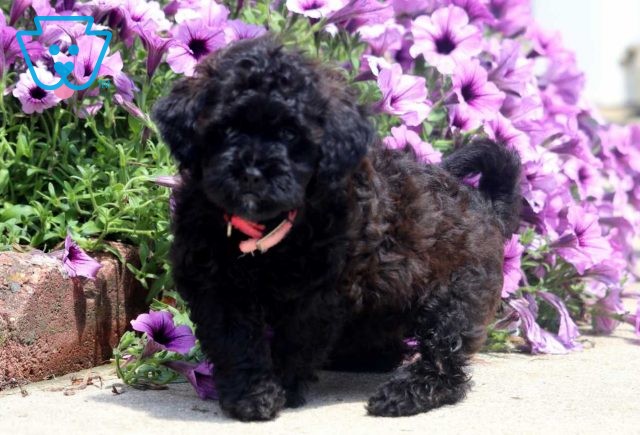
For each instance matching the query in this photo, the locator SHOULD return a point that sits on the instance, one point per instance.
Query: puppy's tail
(499, 170)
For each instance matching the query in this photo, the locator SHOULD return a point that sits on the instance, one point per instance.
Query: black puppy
(353, 247)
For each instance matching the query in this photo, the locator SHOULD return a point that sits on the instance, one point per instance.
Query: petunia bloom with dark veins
(403, 95)
(445, 38)
(511, 267)
(193, 42)
(75, 261)
(32, 97)
(590, 247)
(200, 376)
(159, 327)
(478, 97)
(315, 9)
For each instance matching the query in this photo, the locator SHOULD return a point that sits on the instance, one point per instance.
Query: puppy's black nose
(252, 177)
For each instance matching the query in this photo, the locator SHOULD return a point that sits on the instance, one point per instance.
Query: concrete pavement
(595, 391)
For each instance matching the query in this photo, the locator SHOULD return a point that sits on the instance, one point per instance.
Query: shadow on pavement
(179, 401)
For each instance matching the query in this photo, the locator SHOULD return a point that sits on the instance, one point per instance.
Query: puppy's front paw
(262, 402)
(398, 397)
(409, 395)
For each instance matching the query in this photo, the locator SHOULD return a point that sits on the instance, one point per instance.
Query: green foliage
(499, 340)
(138, 371)
(90, 176)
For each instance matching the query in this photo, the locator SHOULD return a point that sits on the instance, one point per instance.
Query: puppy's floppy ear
(176, 116)
(347, 133)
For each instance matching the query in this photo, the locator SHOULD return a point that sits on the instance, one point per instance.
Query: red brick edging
(52, 325)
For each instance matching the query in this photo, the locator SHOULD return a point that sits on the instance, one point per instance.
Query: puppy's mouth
(251, 208)
(263, 236)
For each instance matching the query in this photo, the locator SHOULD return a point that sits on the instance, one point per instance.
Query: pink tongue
(63, 92)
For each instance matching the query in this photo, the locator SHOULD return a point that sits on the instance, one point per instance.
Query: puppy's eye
(288, 135)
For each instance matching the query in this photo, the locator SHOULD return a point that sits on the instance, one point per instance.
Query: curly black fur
(383, 247)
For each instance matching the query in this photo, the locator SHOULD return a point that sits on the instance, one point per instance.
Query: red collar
(258, 241)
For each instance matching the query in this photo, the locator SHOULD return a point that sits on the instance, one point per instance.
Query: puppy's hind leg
(445, 337)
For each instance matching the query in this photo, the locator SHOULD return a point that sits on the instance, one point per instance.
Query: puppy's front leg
(232, 335)
(303, 338)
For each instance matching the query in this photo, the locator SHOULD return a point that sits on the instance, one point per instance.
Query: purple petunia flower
(210, 13)
(540, 183)
(171, 181)
(32, 97)
(574, 143)
(159, 327)
(568, 331)
(156, 47)
(540, 340)
(511, 267)
(553, 216)
(75, 261)
(200, 376)
(130, 107)
(477, 10)
(315, 8)
(445, 39)
(43, 7)
(460, 119)
(382, 38)
(17, 10)
(89, 49)
(478, 98)
(63, 34)
(611, 270)
(412, 8)
(111, 13)
(172, 7)
(621, 152)
(503, 132)
(194, 41)
(511, 72)
(403, 56)
(511, 16)
(9, 48)
(145, 14)
(142, 17)
(371, 66)
(544, 42)
(402, 136)
(606, 307)
(358, 13)
(403, 95)
(621, 238)
(237, 30)
(590, 246)
(125, 87)
(563, 78)
(525, 112)
(587, 179)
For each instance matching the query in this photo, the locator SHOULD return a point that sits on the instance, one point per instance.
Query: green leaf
(17, 212)
(4, 179)
(90, 228)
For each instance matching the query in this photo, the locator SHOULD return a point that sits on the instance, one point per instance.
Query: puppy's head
(256, 123)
